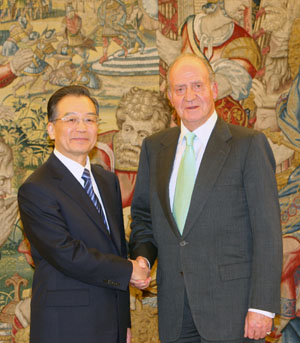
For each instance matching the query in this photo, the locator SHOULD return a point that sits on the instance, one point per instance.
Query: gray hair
(199, 58)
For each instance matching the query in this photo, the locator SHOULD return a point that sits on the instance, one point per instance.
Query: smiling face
(74, 141)
(191, 92)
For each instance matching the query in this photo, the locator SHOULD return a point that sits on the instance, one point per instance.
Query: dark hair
(66, 91)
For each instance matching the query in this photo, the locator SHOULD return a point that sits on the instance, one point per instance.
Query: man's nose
(134, 138)
(189, 94)
(81, 125)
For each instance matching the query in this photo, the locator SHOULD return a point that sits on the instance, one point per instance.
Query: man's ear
(214, 89)
(169, 95)
(51, 130)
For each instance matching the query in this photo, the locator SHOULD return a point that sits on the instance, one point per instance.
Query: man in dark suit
(72, 215)
(206, 204)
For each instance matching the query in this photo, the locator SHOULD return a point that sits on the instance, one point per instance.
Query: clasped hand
(140, 277)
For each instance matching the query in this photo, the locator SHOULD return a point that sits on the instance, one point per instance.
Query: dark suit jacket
(80, 285)
(229, 256)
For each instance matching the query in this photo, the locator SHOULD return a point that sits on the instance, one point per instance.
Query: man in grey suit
(206, 205)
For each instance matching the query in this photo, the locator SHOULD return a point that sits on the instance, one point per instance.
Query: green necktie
(185, 182)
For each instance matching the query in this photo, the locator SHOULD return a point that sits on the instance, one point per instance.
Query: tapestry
(121, 51)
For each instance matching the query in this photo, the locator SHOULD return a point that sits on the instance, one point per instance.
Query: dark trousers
(189, 333)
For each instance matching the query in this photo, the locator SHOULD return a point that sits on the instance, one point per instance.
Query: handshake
(140, 277)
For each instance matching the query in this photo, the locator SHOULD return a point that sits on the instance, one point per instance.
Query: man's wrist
(265, 313)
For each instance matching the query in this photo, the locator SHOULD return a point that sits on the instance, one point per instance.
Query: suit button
(183, 243)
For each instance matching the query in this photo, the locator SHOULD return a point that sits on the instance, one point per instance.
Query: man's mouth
(80, 139)
(192, 107)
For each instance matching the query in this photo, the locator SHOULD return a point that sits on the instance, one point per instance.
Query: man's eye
(142, 135)
(180, 90)
(71, 120)
(90, 120)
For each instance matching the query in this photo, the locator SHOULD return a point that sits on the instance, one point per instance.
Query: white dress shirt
(202, 133)
(77, 170)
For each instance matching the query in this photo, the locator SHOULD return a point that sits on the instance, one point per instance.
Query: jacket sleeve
(262, 197)
(142, 242)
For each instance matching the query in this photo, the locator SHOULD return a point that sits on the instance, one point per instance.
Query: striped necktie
(86, 176)
(185, 182)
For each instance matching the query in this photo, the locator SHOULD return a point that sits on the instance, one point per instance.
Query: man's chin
(127, 162)
(127, 159)
(126, 165)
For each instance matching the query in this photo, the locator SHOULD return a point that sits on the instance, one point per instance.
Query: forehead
(188, 70)
(138, 124)
(76, 104)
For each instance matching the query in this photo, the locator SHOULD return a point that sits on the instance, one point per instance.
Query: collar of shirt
(202, 133)
(202, 136)
(74, 167)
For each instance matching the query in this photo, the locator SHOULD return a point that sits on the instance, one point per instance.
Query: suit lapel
(165, 162)
(70, 186)
(215, 155)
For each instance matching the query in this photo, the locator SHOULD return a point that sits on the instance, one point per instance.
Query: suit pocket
(67, 298)
(235, 271)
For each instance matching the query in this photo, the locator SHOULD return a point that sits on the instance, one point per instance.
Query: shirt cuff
(265, 313)
(147, 262)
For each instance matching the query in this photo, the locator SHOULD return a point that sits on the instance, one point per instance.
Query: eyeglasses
(74, 120)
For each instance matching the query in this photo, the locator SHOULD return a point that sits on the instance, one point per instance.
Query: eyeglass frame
(71, 116)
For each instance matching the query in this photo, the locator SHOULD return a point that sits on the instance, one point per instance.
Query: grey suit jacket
(229, 256)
